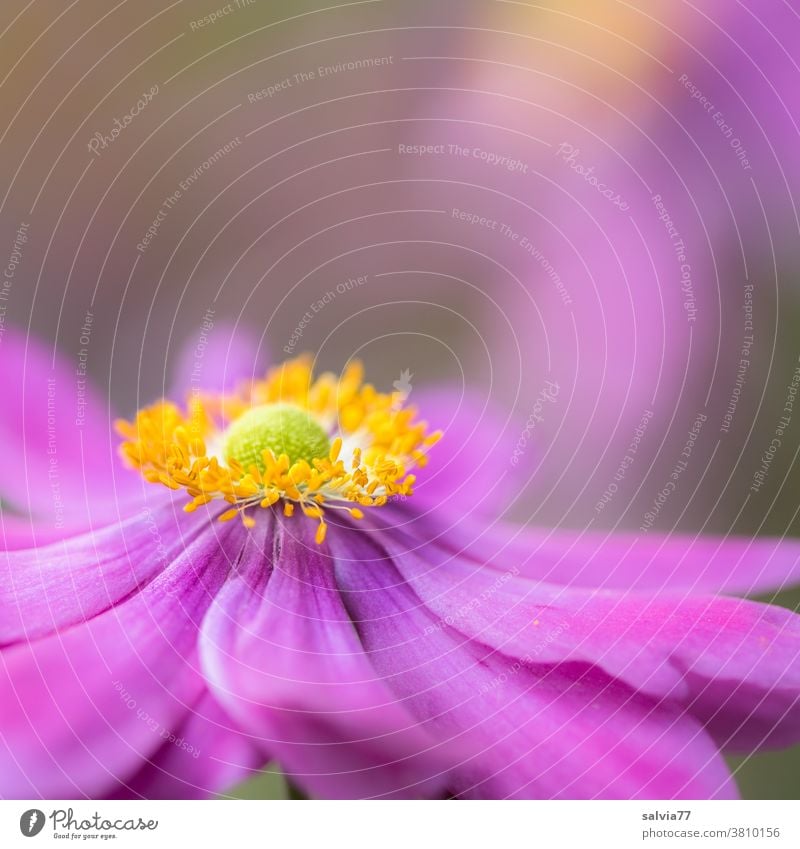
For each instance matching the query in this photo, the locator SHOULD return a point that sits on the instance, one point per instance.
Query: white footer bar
(400, 825)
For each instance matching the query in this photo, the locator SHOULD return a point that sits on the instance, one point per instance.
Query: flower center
(269, 444)
(283, 428)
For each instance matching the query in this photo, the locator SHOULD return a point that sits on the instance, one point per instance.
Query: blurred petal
(624, 560)
(283, 657)
(60, 459)
(82, 709)
(222, 357)
(477, 441)
(47, 588)
(736, 662)
(532, 730)
(24, 532)
(205, 756)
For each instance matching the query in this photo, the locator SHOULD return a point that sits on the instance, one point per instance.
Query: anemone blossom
(374, 640)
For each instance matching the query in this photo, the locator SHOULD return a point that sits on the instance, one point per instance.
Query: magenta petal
(82, 709)
(60, 459)
(218, 359)
(282, 656)
(202, 757)
(628, 561)
(472, 428)
(735, 663)
(18, 532)
(532, 730)
(65, 583)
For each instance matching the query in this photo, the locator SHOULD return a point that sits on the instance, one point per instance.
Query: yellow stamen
(282, 439)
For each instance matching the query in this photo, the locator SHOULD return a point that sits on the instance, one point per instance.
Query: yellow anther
(171, 447)
(197, 447)
(351, 417)
(300, 471)
(167, 481)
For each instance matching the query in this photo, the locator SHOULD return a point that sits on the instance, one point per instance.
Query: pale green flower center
(283, 428)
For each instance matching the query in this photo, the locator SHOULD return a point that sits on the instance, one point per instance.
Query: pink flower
(426, 649)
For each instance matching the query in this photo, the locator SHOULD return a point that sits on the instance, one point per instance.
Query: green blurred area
(771, 775)
(270, 784)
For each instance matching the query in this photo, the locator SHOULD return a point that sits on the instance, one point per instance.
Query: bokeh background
(508, 196)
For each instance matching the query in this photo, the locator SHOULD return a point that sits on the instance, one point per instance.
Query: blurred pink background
(572, 192)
